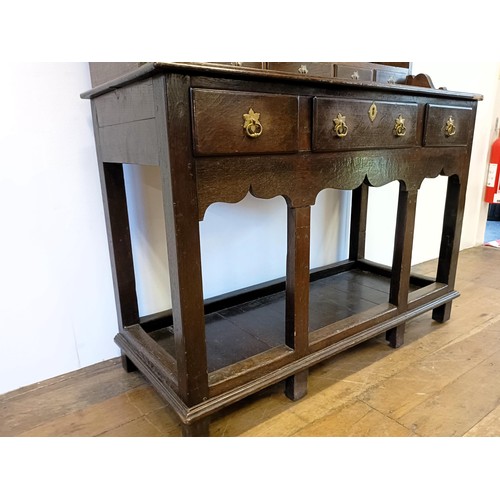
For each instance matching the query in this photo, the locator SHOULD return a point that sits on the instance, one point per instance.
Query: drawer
(226, 122)
(361, 132)
(391, 76)
(257, 65)
(352, 72)
(447, 125)
(324, 69)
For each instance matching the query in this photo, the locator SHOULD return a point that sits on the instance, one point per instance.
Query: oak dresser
(220, 131)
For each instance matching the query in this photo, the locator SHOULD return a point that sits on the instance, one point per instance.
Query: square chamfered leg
(401, 263)
(118, 229)
(183, 240)
(296, 385)
(200, 428)
(442, 313)
(359, 210)
(450, 241)
(127, 364)
(395, 336)
(297, 294)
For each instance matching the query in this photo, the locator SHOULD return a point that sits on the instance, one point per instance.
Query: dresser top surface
(225, 71)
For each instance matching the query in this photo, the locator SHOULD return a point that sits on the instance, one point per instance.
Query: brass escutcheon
(252, 125)
(450, 128)
(399, 126)
(372, 112)
(340, 127)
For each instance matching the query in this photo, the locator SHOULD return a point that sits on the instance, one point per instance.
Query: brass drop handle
(399, 126)
(340, 127)
(450, 127)
(252, 125)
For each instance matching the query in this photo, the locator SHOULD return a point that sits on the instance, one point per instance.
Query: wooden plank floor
(442, 382)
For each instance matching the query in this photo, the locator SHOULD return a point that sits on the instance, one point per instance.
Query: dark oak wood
(189, 119)
(218, 122)
(353, 72)
(257, 65)
(306, 68)
(420, 80)
(297, 293)
(196, 429)
(401, 262)
(102, 72)
(437, 117)
(128, 104)
(359, 209)
(127, 364)
(362, 133)
(391, 76)
(120, 243)
(245, 74)
(450, 240)
(183, 244)
(133, 142)
(246, 329)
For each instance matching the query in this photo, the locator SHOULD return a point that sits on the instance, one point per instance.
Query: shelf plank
(244, 330)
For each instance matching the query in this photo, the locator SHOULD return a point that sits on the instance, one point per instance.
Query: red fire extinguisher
(492, 194)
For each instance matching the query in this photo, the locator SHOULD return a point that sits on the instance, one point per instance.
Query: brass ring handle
(340, 126)
(450, 127)
(252, 125)
(399, 126)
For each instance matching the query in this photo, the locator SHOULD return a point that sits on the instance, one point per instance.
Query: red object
(492, 194)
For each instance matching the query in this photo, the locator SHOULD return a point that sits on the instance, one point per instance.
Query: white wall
(242, 244)
(56, 297)
(482, 78)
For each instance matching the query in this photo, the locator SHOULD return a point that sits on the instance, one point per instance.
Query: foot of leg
(200, 428)
(395, 336)
(127, 364)
(442, 313)
(296, 385)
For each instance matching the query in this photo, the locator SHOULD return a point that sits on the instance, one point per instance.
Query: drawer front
(394, 125)
(226, 122)
(447, 125)
(390, 76)
(257, 65)
(324, 69)
(349, 72)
